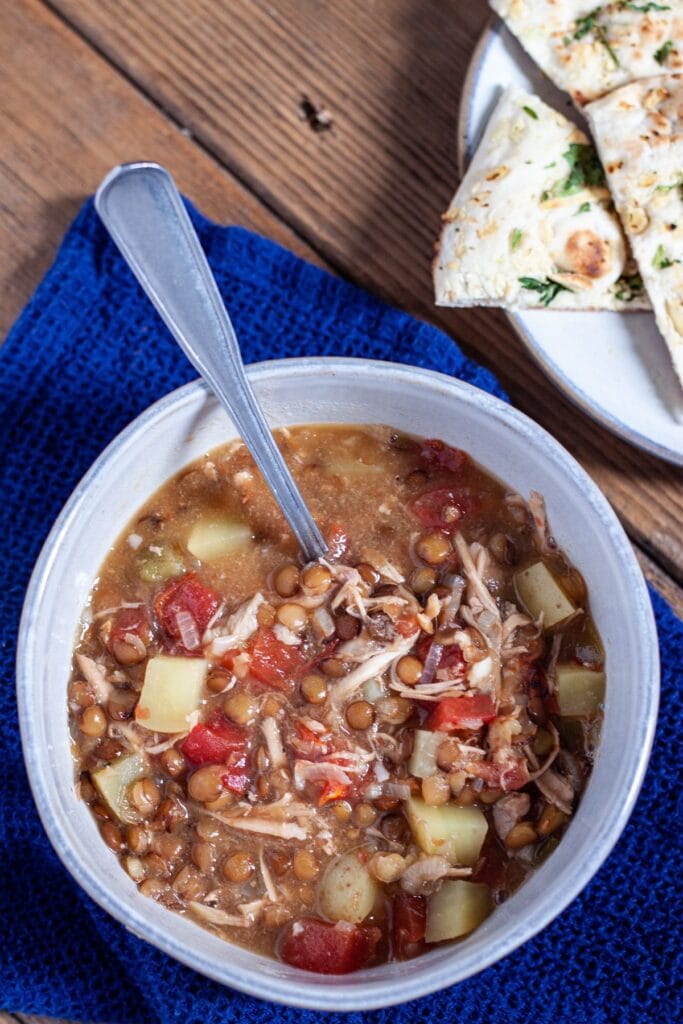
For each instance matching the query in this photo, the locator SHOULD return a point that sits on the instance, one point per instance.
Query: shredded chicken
(267, 878)
(262, 826)
(508, 811)
(241, 626)
(216, 916)
(276, 751)
(374, 666)
(94, 675)
(420, 877)
(556, 790)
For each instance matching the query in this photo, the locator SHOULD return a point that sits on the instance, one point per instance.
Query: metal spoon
(143, 212)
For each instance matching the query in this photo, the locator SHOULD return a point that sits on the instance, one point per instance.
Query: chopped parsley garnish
(584, 208)
(587, 23)
(567, 40)
(545, 195)
(546, 289)
(669, 188)
(629, 287)
(515, 239)
(585, 170)
(663, 52)
(530, 112)
(550, 165)
(661, 261)
(643, 8)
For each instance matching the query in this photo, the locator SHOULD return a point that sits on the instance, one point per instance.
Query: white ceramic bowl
(177, 430)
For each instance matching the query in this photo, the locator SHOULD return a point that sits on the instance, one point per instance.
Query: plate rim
(562, 382)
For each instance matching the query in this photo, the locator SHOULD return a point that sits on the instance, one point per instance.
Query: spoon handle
(143, 212)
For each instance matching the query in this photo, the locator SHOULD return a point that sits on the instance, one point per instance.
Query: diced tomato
(337, 542)
(409, 921)
(213, 742)
(436, 453)
(273, 663)
(312, 744)
(332, 791)
(467, 712)
(315, 945)
(443, 507)
(130, 622)
(188, 596)
(509, 775)
(238, 774)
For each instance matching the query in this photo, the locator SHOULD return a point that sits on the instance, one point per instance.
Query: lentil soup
(339, 763)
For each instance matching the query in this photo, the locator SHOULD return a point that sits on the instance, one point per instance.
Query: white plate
(615, 366)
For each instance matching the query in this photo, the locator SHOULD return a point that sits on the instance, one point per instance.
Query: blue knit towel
(86, 356)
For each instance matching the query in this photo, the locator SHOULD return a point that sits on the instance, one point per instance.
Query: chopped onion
(187, 627)
(400, 790)
(323, 623)
(431, 662)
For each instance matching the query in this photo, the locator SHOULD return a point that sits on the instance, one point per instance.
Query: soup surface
(343, 762)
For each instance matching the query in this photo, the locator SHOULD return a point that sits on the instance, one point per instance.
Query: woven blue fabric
(88, 354)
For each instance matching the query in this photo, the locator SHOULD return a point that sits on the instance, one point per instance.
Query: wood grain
(62, 129)
(368, 192)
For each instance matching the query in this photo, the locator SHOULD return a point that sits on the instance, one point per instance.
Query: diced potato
(171, 692)
(539, 592)
(155, 566)
(347, 890)
(373, 690)
(456, 910)
(456, 833)
(113, 781)
(579, 690)
(423, 759)
(352, 467)
(211, 539)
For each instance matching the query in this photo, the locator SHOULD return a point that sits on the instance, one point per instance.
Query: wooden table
(330, 127)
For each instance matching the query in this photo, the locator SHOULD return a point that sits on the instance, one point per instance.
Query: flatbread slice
(639, 132)
(588, 49)
(533, 223)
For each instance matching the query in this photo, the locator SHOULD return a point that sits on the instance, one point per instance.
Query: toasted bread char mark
(589, 49)
(639, 133)
(588, 254)
(532, 224)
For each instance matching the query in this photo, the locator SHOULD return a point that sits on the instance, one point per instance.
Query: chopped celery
(423, 759)
(113, 781)
(157, 565)
(579, 690)
(541, 594)
(456, 833)
(456, 910)
(171, 692)
(217, 538)
(347, 890)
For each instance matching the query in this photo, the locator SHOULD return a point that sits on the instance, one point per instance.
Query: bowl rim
(298, 992)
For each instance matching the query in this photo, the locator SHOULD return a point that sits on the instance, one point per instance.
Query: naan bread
(533, 223)
(589, 49)
(639, 133)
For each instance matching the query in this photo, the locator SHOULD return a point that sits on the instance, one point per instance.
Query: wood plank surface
(63, 129)
(214, 90)
(368, 191)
